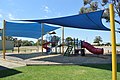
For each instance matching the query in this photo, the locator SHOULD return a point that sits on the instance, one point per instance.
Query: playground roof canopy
(31, 30)
(90, 20)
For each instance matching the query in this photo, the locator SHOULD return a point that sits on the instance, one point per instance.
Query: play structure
(52, 47)
(45, 45)
(77, 47)
(52, 44)
(92, 49)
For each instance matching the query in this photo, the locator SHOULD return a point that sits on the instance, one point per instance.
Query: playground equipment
(78, 47)
(73, 47)
(54, 44)
(46, 47)
(53, 48)
(91, 48)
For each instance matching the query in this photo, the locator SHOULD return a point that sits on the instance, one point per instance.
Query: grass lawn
(84, 72)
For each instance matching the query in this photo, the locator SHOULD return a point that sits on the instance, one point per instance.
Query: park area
(43, 40)
(41, 66)
(74, 72)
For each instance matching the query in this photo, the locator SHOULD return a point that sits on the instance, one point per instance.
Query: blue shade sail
(30, 30)
(90, 20)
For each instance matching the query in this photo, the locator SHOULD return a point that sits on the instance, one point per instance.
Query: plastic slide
(92, 49)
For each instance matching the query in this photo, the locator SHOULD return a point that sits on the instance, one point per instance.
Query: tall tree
(94, 5)
(9, 38)
(27, 43)
(97, 40)
(68, 40)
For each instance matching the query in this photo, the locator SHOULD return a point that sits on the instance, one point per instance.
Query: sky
(45, 9)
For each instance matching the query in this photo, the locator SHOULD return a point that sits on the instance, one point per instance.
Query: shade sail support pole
(3, 39)
(113, 38)
(38, 45)
(63, 40)
(42, 26)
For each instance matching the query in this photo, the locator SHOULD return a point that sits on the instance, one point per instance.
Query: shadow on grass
(79, 59)
(103, 66)
(3, 68)
(74, 60)
(5, 72)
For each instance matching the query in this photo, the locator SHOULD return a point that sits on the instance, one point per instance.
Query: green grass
(84, 72)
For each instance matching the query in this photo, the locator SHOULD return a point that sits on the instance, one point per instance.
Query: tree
(27, 43)
(32, 43)
(68, 40)
(95, 5)
(97, 40)
(37, 43)
(17, 43)
(9, 38)
(108, 44)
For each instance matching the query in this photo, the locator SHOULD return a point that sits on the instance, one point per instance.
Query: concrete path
(18, 60)
(5, 64)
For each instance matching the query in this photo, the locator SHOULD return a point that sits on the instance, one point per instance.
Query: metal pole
(3, 40)
(38, 45)
(113, 38)
(62, 40)
(18, 45)
(60, 46)
(42, 26)
(74, 46)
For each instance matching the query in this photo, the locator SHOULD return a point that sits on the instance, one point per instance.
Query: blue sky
(39, 9)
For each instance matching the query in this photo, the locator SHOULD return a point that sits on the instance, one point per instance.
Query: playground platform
(31, 59)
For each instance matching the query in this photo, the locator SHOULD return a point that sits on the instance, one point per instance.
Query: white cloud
(10, 16)
(46, 9)
(1, 16)
(46, 16)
